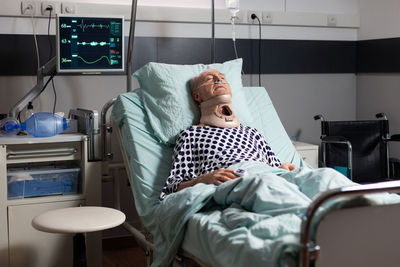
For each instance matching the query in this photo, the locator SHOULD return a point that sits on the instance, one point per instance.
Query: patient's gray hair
(194, 82)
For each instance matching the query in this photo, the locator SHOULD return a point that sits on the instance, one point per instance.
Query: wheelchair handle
(381, 115)
(319, 117)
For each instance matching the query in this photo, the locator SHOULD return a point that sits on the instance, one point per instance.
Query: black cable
(50, 54)
(44, 87)
(51, 78)
(254, 16)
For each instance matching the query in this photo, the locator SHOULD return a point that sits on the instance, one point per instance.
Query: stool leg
(79, 250)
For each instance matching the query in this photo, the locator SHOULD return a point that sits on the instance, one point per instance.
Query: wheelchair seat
(358, 149)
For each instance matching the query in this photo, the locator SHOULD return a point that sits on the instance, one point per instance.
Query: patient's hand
(216, 177)
(288, 166)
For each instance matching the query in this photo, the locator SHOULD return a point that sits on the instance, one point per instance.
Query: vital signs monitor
(90, 44)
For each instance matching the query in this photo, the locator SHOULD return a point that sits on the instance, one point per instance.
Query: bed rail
(143, 238)
(105, 128)
(308, 249)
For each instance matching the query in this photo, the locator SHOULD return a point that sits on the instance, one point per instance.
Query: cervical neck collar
(217, 112)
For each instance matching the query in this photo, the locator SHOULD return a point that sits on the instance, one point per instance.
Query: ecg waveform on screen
(84, 26)
(110, 61)
(93, 43)
(94, 61)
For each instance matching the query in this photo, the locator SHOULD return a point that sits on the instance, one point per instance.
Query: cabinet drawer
(310, 156)
(43, 152)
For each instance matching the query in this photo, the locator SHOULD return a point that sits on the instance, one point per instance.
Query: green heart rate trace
(90, 44)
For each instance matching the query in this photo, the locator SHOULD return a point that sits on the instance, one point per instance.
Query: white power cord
(36, 43)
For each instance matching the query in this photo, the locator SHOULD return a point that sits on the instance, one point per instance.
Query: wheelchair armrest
(395, 137)
(329, 139)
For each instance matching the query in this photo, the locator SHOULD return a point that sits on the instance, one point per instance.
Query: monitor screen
(90, 44)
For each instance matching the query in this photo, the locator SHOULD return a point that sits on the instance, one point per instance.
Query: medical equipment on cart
(40, 124)
(84, 45)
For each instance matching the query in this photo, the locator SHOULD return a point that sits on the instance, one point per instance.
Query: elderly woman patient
(204, 151)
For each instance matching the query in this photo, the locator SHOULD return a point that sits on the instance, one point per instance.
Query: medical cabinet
(37, 175)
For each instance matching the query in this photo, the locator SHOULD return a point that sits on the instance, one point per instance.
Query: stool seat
(78, 220)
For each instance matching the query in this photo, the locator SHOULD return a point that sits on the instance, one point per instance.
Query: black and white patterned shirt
(204, 149)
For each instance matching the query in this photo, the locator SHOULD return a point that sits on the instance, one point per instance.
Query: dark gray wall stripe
(277, 56)
(293, 56)
(380, 56)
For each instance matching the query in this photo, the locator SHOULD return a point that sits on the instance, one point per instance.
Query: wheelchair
(359, 149)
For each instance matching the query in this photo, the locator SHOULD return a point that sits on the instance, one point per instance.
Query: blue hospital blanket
(252, 220)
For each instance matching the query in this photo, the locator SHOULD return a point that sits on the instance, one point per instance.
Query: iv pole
(104, 127)
(130, 47)
(212, 32)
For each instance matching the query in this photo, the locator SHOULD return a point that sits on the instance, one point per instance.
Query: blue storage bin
(23, 183)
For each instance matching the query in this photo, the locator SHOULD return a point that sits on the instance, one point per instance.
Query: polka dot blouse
(204, 149)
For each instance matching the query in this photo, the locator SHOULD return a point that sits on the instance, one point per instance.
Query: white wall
(324, 6)
(379, 19)
(298, 98)
(379, 92)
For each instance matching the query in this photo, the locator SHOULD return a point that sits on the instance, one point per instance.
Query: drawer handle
(41, 152)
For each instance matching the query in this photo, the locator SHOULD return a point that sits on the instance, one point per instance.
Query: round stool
(78, 220)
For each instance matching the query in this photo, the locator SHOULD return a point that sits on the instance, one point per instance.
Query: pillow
(168, 101)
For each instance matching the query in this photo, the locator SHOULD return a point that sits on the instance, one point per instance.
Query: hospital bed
(338, 228)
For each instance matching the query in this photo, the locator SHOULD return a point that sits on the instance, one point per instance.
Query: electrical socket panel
(253, 21)
(68, 8)
(28, 8)
(239, 17)
(54, 5)
(331, 20)
(267, 17)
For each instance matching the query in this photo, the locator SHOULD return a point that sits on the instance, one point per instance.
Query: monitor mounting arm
(48, 69)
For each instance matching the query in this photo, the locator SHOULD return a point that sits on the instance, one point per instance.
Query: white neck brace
(217, 112)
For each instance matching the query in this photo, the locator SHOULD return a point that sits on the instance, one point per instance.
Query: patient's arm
(216, 177)
(288, 166)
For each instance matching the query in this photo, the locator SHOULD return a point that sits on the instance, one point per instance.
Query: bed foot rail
(308, 250)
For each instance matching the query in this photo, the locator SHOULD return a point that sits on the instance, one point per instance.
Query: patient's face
(210, 83)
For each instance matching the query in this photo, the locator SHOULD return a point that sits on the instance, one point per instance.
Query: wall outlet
(239, 18)
(68, 8)
(267, 17)
(253, 21)
(331, 20)
(53, 5)
(28, 8)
